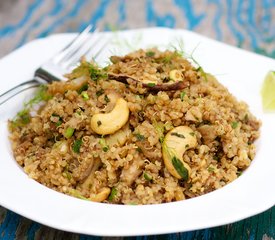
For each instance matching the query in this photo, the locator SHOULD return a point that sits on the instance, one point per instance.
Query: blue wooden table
(248, 24)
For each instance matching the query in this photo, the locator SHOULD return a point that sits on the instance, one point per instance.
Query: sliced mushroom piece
(118, 138)
(175, 143)
(108, 123)
(152, 86)
(89, 180)
(130, 173)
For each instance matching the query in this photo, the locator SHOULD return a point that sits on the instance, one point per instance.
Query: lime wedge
(268, 92)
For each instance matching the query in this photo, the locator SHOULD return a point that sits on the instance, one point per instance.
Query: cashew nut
(108, 123)
(175, 75)
(101, 196)
(175, 143)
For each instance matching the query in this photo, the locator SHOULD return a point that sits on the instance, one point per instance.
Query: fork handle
(45, 75)
(18, 89)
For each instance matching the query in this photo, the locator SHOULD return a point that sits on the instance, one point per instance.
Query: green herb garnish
(178, 165)
(96, 73)
(177, 135)
(139, 149)
(99, 92)
(84, 87)
(59, 121)
(150, 54)
(106, 98)
(139, 137)
(23, 117)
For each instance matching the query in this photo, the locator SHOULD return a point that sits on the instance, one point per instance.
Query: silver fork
(61, 63)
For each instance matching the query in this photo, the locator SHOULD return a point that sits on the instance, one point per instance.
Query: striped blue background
(248, 24)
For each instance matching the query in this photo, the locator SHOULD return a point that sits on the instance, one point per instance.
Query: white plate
(253, 192)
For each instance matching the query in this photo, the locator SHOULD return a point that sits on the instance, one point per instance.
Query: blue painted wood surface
(248, 24)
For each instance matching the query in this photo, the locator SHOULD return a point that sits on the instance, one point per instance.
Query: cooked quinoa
(107, 134)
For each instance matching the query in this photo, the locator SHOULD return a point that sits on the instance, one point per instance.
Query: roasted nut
(175, 75)
(175, 143)
(101, 196)
(108, 123)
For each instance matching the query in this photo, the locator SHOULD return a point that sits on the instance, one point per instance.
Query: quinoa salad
(151, 127)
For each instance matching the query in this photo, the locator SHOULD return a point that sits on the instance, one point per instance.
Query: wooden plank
(261, 226)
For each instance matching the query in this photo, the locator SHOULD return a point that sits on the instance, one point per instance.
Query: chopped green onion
(99, 92)
(147, 176)
(234, 125)
(239, 173)
(58, 123)
(151, 84)
(85, 95)
(103, 144)
(216, 158)
(112, 194)
(76, 146)
(69, 132)
(182, 94)
(139, 137)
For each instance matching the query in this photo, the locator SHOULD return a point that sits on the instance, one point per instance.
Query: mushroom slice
(119, 138)
(174, 145)
(90, 178)
(152, 86)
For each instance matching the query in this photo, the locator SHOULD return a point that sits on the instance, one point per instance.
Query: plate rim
(134, 209)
